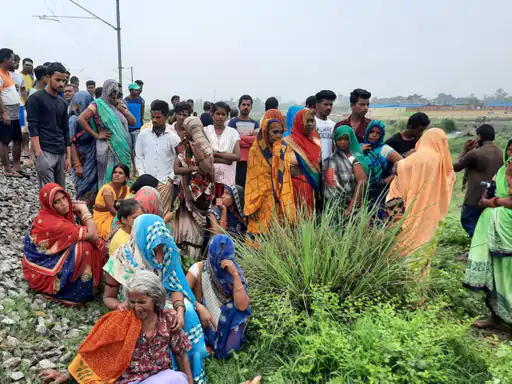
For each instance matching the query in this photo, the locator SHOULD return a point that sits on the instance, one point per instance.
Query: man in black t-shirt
(404, 142)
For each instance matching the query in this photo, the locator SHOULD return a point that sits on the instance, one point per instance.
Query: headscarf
(355, 149)
(307, 151)
(377, 163)
(148, 232)
(113, 120)
(237, 194)
(274, 114)
(425, 182)
(51, 231)
(290, 118)
(144, 181)
(149, 200)
(222, 248)
(107, 351)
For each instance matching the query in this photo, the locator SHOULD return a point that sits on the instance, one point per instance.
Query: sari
(376, 159)
(339, 178)
(308, 155)
(490, 256)
(269, 185)
(236, 225)
(117, 149)
(196, 190)
(148, 232)
(86, 186)
(425, 184)
(290, 118)
(101, 215)
(215, 291)
(274, 114)
(57, 260)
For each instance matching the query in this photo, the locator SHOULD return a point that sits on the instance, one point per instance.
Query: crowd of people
(149, 194)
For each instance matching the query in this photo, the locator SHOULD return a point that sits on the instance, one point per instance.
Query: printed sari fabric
(308, 154)
(290, 118)
(425, 183)
(102, 216)
(490, 256)
(377, 162)
(217, 296)
(107, 351)
(269, 186)
(118, 148)
(86, 185)
(196, 190)
(148, 232)
(58, 262)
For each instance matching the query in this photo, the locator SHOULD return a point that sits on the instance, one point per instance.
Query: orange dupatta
(269, 186)
(107, 351)
(425, 182)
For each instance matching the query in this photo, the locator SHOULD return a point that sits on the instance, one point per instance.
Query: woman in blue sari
(152, 247)
(110, 118)
(290, 117)
(222, 297)
(379, 157)
(83, 151)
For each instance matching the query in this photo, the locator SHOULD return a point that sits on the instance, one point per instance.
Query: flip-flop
(24, 174)
(12, 174)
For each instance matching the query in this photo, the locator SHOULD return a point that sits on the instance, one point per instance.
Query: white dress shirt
(155, 155)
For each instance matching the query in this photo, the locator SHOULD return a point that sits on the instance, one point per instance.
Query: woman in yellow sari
(424, 182)
(269, 185)
(104, 209)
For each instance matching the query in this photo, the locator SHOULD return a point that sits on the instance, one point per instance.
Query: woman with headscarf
(151, 247)
(290, 118)
(424, 181)
(269, 186)
(110, 121)
(378, 157)
(83, 151)
(145, 180)
(194, 162)
(305, 166)
(490, 255)
(227, 216)
(61, 259)
(222, 297)
(345, 171)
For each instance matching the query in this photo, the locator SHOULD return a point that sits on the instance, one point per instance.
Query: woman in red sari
(63, 260)
(305, 164)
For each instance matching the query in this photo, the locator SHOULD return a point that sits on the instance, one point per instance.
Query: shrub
(448, 125)
(350, 255)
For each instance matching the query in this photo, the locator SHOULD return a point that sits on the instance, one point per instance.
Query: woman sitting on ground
(490, 254)
(104, 209)
(127, 212)
(225, 143)
(379, 157)
(63, 260)
(265, 191)
(133, 345)
(152, 247)
(345, 171)
(222, 297)
(227, 216)
(306, 167)
(424, 181)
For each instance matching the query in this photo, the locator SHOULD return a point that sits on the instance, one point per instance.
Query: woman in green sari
(490, 256)
(110, 120)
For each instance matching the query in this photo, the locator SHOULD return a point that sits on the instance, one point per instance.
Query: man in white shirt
(155, 152)
(324, 125)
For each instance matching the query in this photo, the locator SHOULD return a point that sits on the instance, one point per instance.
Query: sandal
(12, 174)
(23, 174)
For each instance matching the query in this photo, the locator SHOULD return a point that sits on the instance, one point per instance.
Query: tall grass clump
(355, 256)
(448, 125)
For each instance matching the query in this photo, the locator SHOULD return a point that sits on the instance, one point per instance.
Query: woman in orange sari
(306, 159)
(424, 181)
(268, 186)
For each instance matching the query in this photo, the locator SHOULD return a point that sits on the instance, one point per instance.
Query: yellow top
(120, 238)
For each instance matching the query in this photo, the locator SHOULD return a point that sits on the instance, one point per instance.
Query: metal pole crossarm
(95, 16)
(49, 17)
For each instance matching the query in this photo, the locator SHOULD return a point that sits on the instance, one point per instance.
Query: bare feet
(491, 323)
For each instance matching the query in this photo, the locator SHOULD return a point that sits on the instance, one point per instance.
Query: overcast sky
(286, 48)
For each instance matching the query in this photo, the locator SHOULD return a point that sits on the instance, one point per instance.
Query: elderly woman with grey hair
(133, 347)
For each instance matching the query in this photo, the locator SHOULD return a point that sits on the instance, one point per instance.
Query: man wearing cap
(135, 105)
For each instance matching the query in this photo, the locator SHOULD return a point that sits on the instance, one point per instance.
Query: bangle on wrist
(239, 288)
(495, 201)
